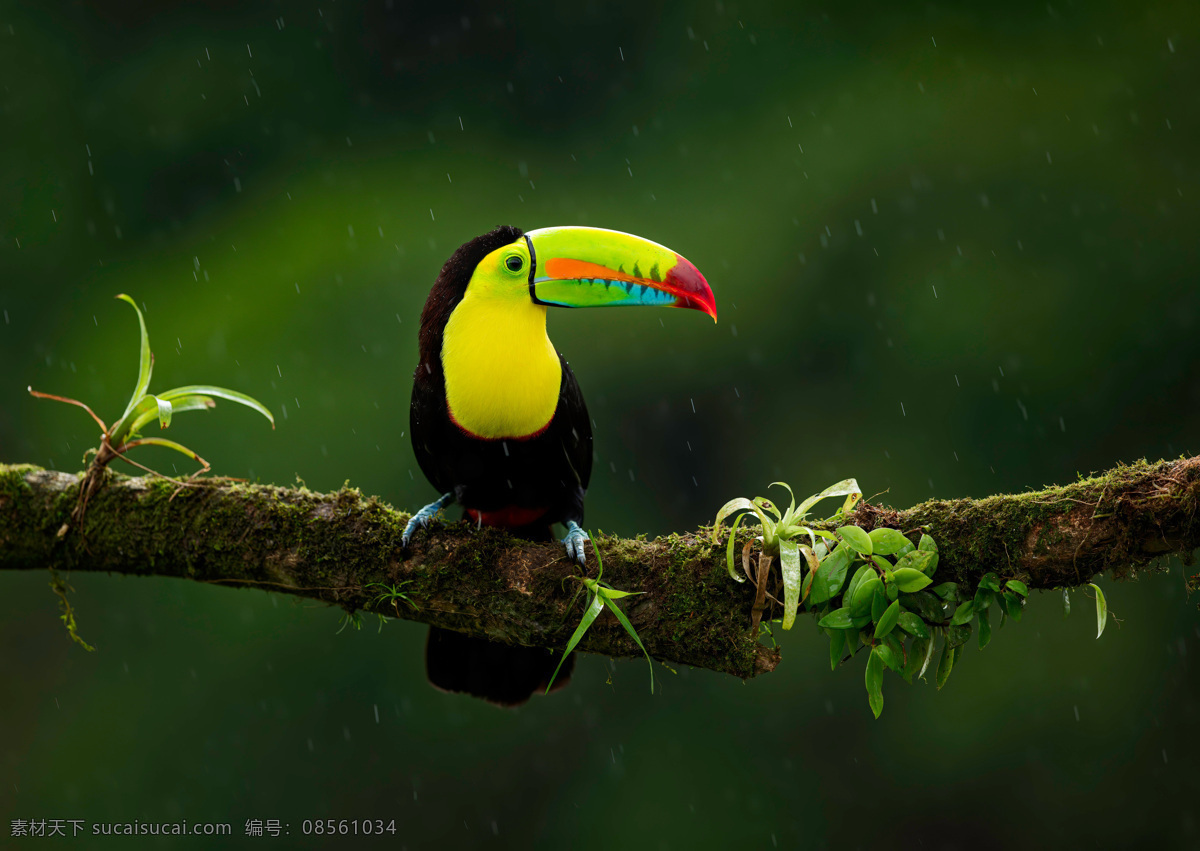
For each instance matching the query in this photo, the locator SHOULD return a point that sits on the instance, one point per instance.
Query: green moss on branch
(343, 547)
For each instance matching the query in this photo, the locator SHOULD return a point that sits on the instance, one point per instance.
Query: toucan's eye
(514, 263)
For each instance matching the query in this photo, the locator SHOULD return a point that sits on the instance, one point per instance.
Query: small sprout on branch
(601, 595)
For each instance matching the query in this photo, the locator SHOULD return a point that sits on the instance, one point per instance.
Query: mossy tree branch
(342, 548)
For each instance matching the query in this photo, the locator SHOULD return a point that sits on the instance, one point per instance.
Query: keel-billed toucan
(498, 422)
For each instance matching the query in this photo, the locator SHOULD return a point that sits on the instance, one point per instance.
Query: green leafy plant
(868, 589)
(781, 538)
(601, 595)
(391, 594)
(143, 409)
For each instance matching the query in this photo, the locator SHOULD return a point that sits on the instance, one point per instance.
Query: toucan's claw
(424, 517)
(575, 540)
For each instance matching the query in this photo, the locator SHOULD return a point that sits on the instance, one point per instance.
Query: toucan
(498, 422)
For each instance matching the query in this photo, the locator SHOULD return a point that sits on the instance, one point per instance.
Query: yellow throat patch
(502, 373)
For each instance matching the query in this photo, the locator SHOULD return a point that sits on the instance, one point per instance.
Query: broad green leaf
(593, 609)
(921, 560)
(1101, 610)
(963, 613)
(616, 610)
(183, 403)
(889, 656)
(837, 619)
(927, 544)
(859, 623)
(957, 636)
(874, 679)
(985, 629)
(846, 487)
(861, 604)
(982, 599)
(1018, 586)
(837, 646)
(909, 580)
(991, 582)
(881, 562)
(733, 574)
(886, 541)
(879, 603)
(893, 593)
(856, 538)
(831, 576)
(924, 604)
(789, 567)
(949, 656)
(851, 640)
(888, 621)
(860, 576)
(917, 651)
(1012, 605)
(146, 360)
(220, 393)
(913, 625)
(906, 549)
(947, 590)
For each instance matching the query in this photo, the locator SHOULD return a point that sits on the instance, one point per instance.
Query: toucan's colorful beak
(593, 267)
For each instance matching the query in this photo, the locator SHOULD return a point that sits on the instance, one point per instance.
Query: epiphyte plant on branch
(143, 409)
(887, 604)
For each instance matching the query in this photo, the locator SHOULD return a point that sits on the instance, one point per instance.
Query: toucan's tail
(503, 674)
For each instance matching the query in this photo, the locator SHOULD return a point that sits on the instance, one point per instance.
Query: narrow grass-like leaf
(168, 444)
(183, 403)
(846, 487)
(789, 567)
(616, 610)
(729, 547)
(789, 516)
(146, 407)
(593, 610)
(146, 362)
(1101, 609)
(874, 678)
(220, 393)
(738, 504)
(925, 662)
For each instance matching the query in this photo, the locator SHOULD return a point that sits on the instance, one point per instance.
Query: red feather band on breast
(512, 517)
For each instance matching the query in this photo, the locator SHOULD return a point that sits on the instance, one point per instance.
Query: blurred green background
(954, 254)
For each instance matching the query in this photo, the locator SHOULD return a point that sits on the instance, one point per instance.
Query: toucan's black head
(452, 282)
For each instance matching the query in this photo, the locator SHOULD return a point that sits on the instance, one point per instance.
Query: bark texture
(344, 548)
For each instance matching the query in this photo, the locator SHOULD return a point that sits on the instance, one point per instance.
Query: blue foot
(575, 540)
(424, 517)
